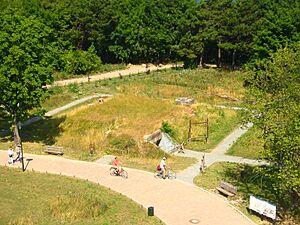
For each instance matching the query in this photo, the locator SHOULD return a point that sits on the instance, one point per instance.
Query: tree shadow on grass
(44, 131)
(251, 180)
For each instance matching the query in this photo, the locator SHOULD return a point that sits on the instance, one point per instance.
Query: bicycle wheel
(157, 174)
(112, 171)
(171, 174)
(124, 174)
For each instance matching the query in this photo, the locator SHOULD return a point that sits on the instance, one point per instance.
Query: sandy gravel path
(133, 69)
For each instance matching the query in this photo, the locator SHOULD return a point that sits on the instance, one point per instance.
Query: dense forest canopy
(225, 32)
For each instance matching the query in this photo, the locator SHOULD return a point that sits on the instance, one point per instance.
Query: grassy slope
(34, 198)
(248, 146)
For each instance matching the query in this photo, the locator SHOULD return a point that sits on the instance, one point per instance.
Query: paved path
(216, 155)
(58, 110)
(174, 202)
(133, 69)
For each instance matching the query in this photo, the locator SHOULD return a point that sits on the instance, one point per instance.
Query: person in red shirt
(116, 163)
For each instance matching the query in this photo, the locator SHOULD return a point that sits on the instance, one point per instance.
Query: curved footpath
(175, 202)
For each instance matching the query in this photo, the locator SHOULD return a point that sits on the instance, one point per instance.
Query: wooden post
(190, 130)
(206, 129)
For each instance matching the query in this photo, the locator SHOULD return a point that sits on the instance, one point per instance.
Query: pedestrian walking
(10, 154)
(19, 154)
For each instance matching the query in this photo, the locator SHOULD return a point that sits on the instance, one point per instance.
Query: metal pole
(22, 155)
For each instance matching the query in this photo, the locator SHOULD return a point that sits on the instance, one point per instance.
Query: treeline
(84, 33)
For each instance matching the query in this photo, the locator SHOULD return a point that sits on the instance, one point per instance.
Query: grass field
(140, 105)
(120, 124)
(206, 85)
(34, 198)
(248, 146)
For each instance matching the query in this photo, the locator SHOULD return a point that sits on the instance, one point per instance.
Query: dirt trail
(133, 69)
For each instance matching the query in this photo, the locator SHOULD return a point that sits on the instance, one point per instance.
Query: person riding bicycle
(162, 167)
(117, 164)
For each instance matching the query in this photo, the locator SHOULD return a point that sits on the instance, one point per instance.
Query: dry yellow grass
(90, 125)
(168, 91)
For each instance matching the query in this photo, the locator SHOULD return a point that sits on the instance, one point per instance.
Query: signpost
(262, 207)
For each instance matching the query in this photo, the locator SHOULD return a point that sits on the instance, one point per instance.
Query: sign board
(262, 207)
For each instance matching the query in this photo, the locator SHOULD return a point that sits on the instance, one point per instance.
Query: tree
(274, 88)
(216, 15)
(191, 39)
(279, 27)
(25, 67)
(81, 62)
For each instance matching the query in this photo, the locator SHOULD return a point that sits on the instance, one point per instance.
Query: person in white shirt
(19, 154)
(162, 166)
(10, 154)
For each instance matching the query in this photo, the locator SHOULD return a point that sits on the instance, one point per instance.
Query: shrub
(81, 62)
(73, 88)
(167, 128)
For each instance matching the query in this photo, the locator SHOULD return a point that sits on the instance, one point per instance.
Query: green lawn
(33, 198)
(247, 146)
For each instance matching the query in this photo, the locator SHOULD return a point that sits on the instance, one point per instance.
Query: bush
(168, 129)
(81, 62)
(74, 88)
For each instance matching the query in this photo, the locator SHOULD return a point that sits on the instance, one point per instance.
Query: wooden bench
(227, 189)
(54, 150)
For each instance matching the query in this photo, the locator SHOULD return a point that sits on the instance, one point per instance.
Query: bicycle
(115, 172)
(170, 174)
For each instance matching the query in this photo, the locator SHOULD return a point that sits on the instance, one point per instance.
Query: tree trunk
(200, 65)
(219, 55)
(233, 59)
(17, 140)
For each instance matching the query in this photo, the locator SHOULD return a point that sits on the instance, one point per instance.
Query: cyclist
(117, 164)
(162, 167)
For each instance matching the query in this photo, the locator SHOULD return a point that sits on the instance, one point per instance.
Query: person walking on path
(10, 154)
(162, 167)
(19, 154)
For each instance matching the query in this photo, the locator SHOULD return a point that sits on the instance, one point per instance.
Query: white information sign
(262, 207)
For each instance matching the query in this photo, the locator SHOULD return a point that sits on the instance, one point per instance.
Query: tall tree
(216, 15)
(280, 26)
(190, 43)
(274, 87)
(25, 66)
